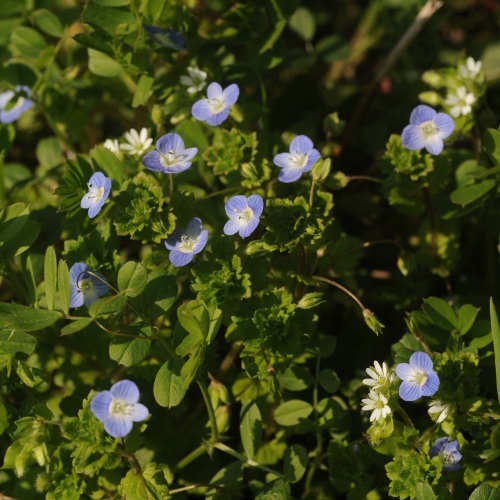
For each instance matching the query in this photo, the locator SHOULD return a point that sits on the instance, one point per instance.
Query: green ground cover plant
(249, 249)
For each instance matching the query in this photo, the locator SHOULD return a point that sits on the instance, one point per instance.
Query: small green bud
(223, 418)
(433, 78)
(430, 97)
(321, 169)
(372, 321)
(310, 300)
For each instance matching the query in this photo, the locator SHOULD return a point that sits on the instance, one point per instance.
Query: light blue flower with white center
(118, 408)
(184, 244)
(419, 378)
(99, 188)
(86, 285)
(11, 108)
(449, 453)
(244, 214)
(427, 130)
(215, 109)
(300, 159)
(170, 156)
(166, 37)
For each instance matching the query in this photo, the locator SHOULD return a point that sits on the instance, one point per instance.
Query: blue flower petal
(170, 142)
(290, 174)
(95, 207)
(421, 361)
(445, 124)
(201, 110)
(193, 229)
(179, 259)
(76, 297)
(100, 403)
(231, 94)
(174, 239)
(248, 227)
(314, 156)
(99, 283)
(139, 413)
(176, 168)
(431, 385)
(152, 161)
(200, 242)
(422, 114)
(214, 91)
(301, 145)
(283, 160)
(98, 179)
(413, 138)
(235, 204)
(77, 272)
(452, 466)
(404, 371)
(126, 391)
(409, 391)
(90, 297)
(189, 153)
(256, 203)
(218, 118)
(434, 145)
(117, 427)
(438, 445)
(232, 226)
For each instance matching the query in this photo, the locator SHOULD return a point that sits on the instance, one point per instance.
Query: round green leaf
(132, 278)
(292, 412)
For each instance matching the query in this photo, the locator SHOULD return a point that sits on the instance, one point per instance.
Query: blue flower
(448, 451)
(300, 159)
(11, 109)
(419, 379)
(244, 214)
(427, 130)
(99, 187)
(171, 157)
(184, 244)
(118, 408)
(166, 37)
(216, 108)
(86, 288)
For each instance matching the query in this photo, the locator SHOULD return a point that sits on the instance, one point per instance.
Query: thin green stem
(171, 180)
(246, 460)
(405, 417)
(343, 288)
(364, 178)
(210, 409)
(311, 193)
(198, 452)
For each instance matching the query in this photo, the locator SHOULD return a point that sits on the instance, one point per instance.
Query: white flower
(461, 103)
(112, 145)
(379, 375)
(137, 143)
(438, 407)
(195, 81)
(377, 403)
(471, 69)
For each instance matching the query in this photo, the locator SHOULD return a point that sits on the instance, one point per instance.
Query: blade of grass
(495, 333)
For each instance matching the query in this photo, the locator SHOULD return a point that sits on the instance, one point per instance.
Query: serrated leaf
(28, 319)
(132, 278)
(441, 313)
(250, 428)
(295, 462)
(169, 388)
(292, 412)
(50, 276)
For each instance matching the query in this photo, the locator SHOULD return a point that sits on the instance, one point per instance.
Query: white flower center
(187, 244)
(120, 409)
(299, 160)
(96, 193)
(429, 128)
(84, 286)
(419, 378)
(216, 105)
(244, 215)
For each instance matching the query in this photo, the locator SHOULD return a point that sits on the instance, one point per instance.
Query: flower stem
(311, 193)
(171, 179)
(210, 409)
(198, 452)
(405, 417)
(340, 287)
(246, 460)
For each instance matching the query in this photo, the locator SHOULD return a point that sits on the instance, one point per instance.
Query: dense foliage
(249, 249)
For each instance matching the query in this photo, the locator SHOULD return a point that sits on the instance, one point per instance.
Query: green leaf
(21, 241)
(491, 143)
(102, 65)
(28, 319)
(107, 161)
(12, 220)
(132, 279)
(111, 3)
(215, 323)
(30, 281)
(191, 367)
(50, 276)
(150, 483)
(4, 420)
(76, 326)
(142, 91)
(159, 294)
(128, 351)
(49, 153)
(275, 490)
(423, 491)
(250, 428)
(169, 388)
(27, 42)
(303, 23)
(329, 380)
(13, 342)
(49, 23)
(292, 412)
(495, 332)
(440, 313)
(468, 194)
(321, 169)
(466, 317)
(108, 306)
(296, 378)
(113, 21)
(295, 462)
(485, 492)
(64, 285)
(194, 318)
